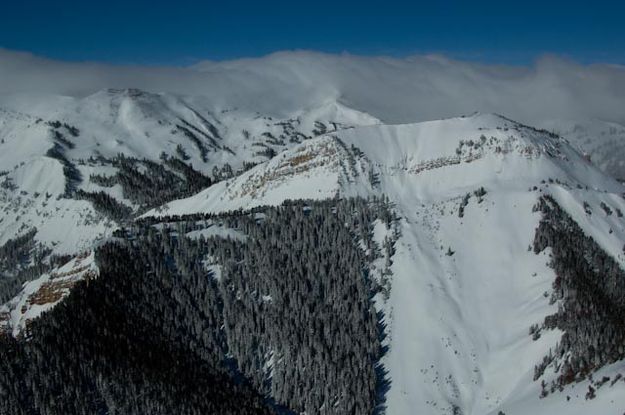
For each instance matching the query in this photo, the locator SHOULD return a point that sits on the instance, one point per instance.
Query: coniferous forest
(590, 291)
(278, 319)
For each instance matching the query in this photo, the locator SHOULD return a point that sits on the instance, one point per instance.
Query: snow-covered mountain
(465, 288)
(602, 141)
(66, 151)
(493, 221)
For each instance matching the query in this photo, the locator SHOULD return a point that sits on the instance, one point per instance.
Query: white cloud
(396, 90)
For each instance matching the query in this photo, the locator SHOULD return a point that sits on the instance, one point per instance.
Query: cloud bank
(396, 90)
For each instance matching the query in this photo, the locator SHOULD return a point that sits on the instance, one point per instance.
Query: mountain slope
(45, 292)
(602, 141)
(466, 284)
(72, 169)
(321, 168)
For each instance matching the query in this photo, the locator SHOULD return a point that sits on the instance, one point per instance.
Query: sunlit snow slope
(466, 284)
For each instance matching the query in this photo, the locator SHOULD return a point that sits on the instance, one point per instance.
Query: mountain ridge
(451, 187)
(461, 285)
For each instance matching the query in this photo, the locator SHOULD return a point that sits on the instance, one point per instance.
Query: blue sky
(182, 32)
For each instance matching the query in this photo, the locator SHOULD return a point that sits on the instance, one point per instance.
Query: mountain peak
(129, 92)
